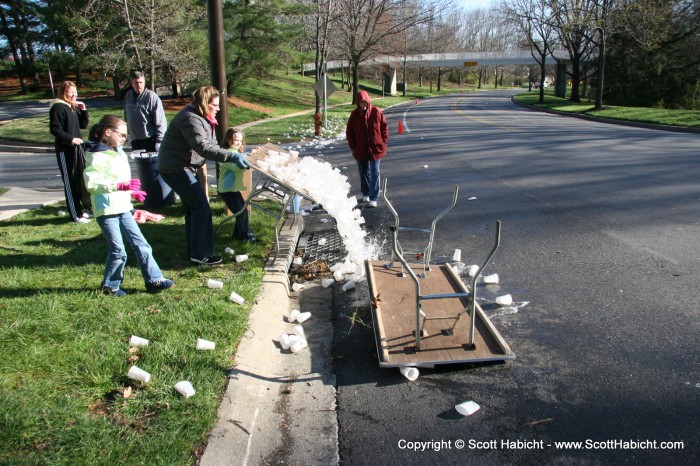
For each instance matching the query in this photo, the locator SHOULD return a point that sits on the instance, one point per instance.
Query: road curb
(634, 124)
(279, 407)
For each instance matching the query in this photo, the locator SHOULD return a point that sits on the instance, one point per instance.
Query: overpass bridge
(461, 60)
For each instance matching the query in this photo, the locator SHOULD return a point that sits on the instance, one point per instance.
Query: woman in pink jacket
(367, 133)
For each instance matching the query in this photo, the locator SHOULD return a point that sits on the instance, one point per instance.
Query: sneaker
(206, 260)
(365, 198)
(372, 204)
(86, 215)
(82, 220)
(159, 285)
(113, 292)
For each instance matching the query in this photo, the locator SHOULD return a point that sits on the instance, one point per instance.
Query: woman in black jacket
(66, 117)
(189, 142)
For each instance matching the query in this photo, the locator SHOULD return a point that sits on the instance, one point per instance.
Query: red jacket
(367, 132)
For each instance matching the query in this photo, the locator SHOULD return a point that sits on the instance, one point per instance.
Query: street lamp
(601, 68)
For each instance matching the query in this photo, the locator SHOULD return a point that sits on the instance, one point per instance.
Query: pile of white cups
(295, 341)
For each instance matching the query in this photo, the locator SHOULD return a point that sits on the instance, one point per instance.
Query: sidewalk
(18, 200)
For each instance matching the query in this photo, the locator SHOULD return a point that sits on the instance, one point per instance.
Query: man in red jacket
(367, 133)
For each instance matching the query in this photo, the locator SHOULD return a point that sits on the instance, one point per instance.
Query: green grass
(65, 351)
(283, 95)
(660, 116)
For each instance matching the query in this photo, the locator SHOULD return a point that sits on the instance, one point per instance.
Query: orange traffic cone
(400, 127)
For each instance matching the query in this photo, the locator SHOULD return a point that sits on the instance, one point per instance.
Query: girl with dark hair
(108, 179)
(66, 117)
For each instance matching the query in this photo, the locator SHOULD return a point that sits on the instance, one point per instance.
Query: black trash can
(158, 193)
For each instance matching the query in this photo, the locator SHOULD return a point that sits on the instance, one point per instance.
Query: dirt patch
(176, 105)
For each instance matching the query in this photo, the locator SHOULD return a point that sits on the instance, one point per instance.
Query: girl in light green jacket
(108, 179)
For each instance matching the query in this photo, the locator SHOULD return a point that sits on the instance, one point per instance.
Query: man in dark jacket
(367, 133)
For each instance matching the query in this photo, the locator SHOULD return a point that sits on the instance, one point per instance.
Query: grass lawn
(282, 95)
(660, 116)
(65, 350)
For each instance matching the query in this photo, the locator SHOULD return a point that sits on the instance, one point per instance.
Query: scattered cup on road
(467, 408)
(505, 300)
(411, 373)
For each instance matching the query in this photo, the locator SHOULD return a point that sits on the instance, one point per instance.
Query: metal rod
(396, 253)
(429, 249)
(473, 290)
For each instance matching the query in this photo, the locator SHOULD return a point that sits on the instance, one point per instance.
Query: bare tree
(575, 21)
(366, 27)
(534, 19)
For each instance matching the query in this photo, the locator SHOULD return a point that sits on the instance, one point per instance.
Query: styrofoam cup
(467, 408)
(457, 256)
(298, 345)
(322, 241)
(299, 331)
(472, 270)
(491, 279)
(349, 285)
(137, 341)
(229, 251)
(185, 388)
(205, 345)
(236, 298)
(297, 286)
(298, 260)
(138, 374)
(338, 275)
(411, 373)
(284, 340)
(303, 317)
(505, 300)
(326, 282)
(292, 317)
(241, 257)
(215, 284)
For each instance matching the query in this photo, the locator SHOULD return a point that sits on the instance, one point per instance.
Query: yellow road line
(480, 120)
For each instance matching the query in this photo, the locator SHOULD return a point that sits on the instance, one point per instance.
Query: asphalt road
(600, 251)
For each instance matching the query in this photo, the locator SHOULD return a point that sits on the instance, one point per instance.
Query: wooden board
(393, 302)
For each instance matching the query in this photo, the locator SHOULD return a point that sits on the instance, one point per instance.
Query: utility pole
(601, 69)
(218, 62)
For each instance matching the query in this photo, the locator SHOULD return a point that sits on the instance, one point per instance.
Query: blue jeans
(115, 228)
(199, 231)
(369, 178)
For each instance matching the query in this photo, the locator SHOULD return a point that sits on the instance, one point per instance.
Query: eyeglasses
(123, 135)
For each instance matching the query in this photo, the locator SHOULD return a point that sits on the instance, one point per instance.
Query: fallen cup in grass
(185, 388)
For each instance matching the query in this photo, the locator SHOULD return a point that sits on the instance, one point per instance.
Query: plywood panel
(394, 313)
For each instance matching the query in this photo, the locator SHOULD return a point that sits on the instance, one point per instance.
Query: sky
(473, 4)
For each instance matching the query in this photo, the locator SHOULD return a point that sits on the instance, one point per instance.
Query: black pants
(235, 202)
(71, 164)
(149, 145)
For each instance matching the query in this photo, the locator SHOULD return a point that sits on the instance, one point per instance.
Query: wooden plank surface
(394, 312)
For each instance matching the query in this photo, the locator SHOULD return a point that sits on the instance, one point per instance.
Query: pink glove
(138, 196)
(130, 185)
